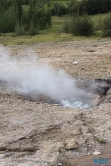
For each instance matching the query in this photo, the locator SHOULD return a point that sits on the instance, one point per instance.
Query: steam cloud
(26, 76)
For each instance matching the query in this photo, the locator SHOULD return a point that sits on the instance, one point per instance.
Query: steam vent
(88, 94)
(55, 103)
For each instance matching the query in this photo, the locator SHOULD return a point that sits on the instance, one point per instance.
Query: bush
(98, 24)
(73, 7)
(94, 6)
(106, 28)
(20, 31)
(33, 30)
(82, 26)
(66, 27)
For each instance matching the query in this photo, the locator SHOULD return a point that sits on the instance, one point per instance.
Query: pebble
(75, 63)
(7, 154)
(96, 153)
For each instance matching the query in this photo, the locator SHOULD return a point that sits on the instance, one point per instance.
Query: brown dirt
(34, 134)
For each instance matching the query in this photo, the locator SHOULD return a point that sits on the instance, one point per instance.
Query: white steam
(26, 76)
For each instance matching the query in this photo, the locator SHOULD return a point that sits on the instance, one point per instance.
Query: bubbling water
(75, 104)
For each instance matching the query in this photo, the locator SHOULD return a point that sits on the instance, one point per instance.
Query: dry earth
(36, 134)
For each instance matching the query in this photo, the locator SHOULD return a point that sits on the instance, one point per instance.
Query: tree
(18, 11)
(22, 21)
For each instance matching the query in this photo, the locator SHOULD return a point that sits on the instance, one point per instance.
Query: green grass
(98, 19)
(63, 2)
(52, 34)
(60, 1)
(101, 140)
(97, 16)
(8, 39)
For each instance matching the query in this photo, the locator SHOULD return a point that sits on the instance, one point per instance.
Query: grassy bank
(53, 33)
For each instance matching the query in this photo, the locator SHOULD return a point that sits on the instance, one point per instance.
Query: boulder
(71, 143)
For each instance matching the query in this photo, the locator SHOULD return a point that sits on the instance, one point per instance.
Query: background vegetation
(53, 19)
(15, 18)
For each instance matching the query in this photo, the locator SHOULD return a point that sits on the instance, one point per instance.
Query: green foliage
(89, 7)
(9, 2)
(25, 2)
(79, 26)
(82, 26)
(73, 7)
(17, 7)
(66, 27)
(101, 140)
(33, 30)
(98, 24)
(94, 6)
(58, 9)
(20, 30)
(81, 7)
(24, 21)
(106, 28)
(7, 22)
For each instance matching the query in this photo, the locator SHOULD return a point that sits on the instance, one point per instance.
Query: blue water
(75, 104)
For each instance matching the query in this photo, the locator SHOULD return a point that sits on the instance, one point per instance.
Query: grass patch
(101, 140)
(52, 34)
(98, 16)
(109, 128)
(21, 40)
(30, 153)
(62, 2)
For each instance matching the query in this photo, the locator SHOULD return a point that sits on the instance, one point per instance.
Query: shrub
(101, 140)
(73, 7)
(82, 26)
(98, 24)
(33, 29)
(20, 31)
(94, 6)
(106, 28)
(66, 27)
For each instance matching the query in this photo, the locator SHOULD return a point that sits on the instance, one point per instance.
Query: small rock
(90, 50)
(96, 153)
(7, 154)
(59, 164)
(75, 63)
(71, 143)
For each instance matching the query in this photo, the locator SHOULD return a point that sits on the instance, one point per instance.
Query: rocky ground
(42, 134)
